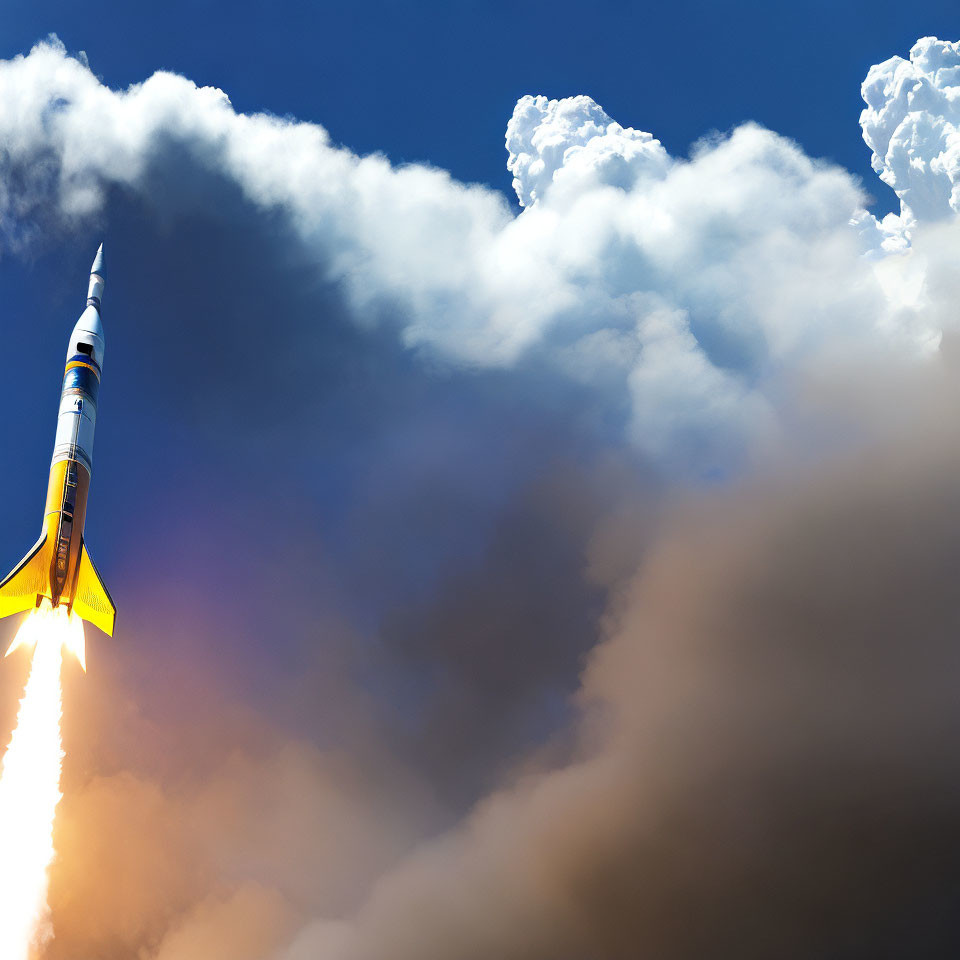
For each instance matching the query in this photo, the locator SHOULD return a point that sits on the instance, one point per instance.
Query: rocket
(58, 568)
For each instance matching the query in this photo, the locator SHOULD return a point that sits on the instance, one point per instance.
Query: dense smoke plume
(766, 763)
(580, 582)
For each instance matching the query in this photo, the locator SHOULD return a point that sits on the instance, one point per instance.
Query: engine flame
(30, 783)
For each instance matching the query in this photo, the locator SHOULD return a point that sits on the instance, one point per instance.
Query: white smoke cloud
(573, 139)
(911, 125)
(679, 289)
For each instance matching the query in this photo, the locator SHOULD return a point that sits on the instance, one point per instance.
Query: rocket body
(58, 568)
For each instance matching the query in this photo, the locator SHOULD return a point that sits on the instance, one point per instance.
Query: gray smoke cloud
(766, 758)
(763, 760)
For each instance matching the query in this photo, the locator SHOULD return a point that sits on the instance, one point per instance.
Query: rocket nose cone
(98, 261)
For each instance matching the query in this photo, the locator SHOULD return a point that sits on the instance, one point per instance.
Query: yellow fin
(27, 581)
(92, 602)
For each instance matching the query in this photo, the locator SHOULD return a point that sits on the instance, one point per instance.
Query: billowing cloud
(911, 125)
(765, 763)
(678, 289)
(550, 140)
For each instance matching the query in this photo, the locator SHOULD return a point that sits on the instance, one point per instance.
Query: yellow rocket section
(28, 582)
(59, 558)
(91, 602)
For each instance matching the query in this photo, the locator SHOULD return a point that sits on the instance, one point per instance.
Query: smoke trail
(30, 785)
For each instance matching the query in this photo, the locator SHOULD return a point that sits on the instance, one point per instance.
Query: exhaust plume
(30, 784)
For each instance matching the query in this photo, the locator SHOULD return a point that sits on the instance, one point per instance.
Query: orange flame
(30, 783)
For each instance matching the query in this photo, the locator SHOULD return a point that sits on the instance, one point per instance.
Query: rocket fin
(27, 581)
(92, 602)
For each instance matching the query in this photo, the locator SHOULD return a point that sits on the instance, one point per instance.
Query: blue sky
(436, 81)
